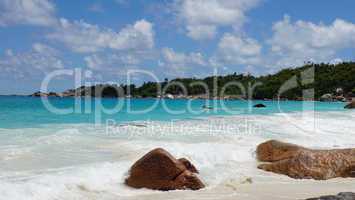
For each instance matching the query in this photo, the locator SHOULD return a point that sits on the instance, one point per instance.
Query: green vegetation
(327, 78)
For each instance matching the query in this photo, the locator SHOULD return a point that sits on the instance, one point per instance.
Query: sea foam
(82, 161)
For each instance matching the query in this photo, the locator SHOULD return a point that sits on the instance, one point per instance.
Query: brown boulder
(189, 166)
(350, 105)
(274, 150)
(302, 163)
(159, 170)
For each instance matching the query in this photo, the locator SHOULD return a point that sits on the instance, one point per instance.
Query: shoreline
(182, 98)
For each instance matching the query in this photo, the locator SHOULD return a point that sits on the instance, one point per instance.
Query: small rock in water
(340, 196)
(207, 107)
(260, 105)
(350, 105)
(159, 170)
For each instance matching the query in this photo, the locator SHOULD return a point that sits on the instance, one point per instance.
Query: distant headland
(329, 82)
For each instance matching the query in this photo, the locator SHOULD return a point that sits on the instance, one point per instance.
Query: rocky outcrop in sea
(351, 105)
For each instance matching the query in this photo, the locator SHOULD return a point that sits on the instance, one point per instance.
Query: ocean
(87, 153)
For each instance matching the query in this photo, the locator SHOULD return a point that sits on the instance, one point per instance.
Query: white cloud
(28, 12)
(173, 57)
(113, 64)
(295, 43)
(199, 32)
(85, 38)
(44, 49)
(291, 45)
(336, 61)
(28, 64)
(111, 61)
(175, 63)
(203, 17)
(237, 50)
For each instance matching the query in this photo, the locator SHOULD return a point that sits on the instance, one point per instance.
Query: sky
(106, 39)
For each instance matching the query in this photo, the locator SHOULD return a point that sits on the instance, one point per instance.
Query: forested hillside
(327, 78)
(323, 78)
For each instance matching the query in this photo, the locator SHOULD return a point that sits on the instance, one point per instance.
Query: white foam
(82, 162)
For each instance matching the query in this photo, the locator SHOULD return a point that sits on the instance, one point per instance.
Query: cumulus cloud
(27, 12)
(111, 61)
(237, 50)
(202, 18)
(28, 64)
(173, 57)
(176, 63)
(44, 49)
(301, 41)
(116, 64)
(291, 44)
(170, 63)
(87, 38)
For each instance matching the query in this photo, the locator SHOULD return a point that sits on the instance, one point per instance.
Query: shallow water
(22, 112)
(47, 157)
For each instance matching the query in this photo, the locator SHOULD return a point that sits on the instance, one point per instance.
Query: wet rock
(303, 163)
(207, 107)
(274, 150)
(260, 105)
(350, 105)
(340, 196)
(189, 166)
(159, 170)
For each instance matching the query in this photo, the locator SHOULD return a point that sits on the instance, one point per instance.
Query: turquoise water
(17, 112)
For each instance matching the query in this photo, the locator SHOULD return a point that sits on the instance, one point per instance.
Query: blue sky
(175, 38)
